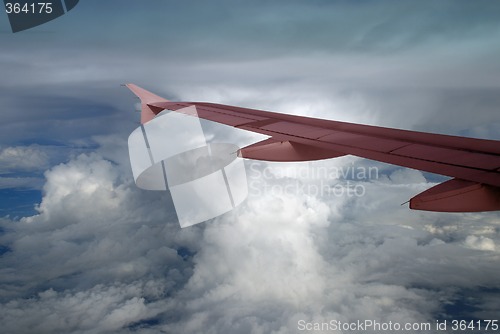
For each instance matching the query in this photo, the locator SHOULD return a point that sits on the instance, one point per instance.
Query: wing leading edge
(474, 164)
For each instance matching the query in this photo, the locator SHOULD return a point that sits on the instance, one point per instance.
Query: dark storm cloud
(405, 53)
(250, 29)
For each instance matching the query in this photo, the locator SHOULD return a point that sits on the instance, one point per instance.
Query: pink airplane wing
(473, 164)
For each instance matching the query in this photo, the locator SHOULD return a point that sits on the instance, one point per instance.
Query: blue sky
(84, 244)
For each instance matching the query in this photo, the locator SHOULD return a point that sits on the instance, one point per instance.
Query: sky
(83, 250)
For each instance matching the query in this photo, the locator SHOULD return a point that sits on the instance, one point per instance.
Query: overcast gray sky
(83, 250)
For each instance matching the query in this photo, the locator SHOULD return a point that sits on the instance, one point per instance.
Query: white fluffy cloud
(96, 310)
(481, 243)
(102, 256)
(23, 158)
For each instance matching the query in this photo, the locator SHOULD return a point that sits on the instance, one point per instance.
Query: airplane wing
(473, 164)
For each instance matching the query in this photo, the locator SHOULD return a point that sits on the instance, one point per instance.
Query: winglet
(148, 112)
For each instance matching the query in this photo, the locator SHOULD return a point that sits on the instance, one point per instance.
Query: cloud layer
(102, 256)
